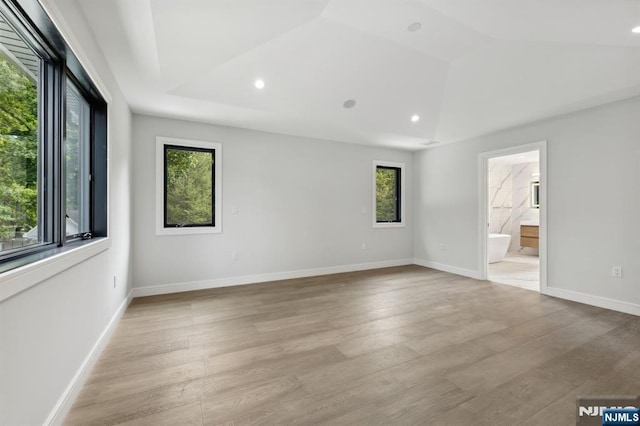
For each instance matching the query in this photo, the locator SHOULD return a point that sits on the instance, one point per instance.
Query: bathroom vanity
(529, 234)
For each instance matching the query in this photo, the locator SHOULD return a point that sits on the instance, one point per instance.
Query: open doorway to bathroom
(513, 232)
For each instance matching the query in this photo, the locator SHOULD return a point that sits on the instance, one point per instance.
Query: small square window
(188, 187)
(388, 202)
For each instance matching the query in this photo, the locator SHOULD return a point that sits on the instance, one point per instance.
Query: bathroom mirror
(535, 195)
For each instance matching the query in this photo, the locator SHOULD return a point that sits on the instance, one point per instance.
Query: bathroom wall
(500, 197)
(522, 176)
(510, 200)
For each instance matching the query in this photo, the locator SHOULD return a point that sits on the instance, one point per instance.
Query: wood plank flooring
(405, 346)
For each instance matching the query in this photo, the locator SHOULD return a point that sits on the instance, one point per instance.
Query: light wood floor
(404, 346)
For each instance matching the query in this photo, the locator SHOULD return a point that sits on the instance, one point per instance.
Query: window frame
(58, 63)
(400, 203)
(82, 148)
(216, 148)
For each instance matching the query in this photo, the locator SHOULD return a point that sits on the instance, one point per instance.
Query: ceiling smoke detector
(349, 103)
(414, 27)
(636, 30)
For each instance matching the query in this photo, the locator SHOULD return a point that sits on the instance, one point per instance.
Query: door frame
(483, 179)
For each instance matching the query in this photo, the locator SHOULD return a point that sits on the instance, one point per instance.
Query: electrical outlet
(363, 246)
(234, 210)
(364, 210)
(442, 248)
(234, 255)
(616, 272)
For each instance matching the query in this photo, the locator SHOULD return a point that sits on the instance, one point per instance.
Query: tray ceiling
(469, 69)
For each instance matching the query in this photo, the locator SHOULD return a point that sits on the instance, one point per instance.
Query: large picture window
(53, 142)
(388, 197)
(188, 182)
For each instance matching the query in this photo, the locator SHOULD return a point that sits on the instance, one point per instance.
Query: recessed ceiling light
(415, 118)
(636, 30)
(414, 27)
(350, 103)
(259, 84)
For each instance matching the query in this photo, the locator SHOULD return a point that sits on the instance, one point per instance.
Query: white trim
(64, 28)
(161, 141)
(17, 280)
(589, 299)
(253, 279)
(448, 268)
(403, 212)
(483, 219)
(68, 397)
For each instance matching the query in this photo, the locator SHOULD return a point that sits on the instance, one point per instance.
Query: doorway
(513, 216)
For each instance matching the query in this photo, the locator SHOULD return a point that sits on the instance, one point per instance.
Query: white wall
(299, 206)
(593, 203)
(47, 331)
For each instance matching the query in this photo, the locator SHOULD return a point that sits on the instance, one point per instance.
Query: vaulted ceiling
(465, 67)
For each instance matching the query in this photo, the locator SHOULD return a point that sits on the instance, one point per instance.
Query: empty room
(319, 212)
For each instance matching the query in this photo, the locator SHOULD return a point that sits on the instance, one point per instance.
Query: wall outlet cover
(616, 272)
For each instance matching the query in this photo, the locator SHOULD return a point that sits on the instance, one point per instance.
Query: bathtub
(497, 246)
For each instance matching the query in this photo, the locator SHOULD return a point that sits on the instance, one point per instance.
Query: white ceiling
(473, 67)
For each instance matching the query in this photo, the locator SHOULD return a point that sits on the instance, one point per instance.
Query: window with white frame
(188, 186)
(388, 194)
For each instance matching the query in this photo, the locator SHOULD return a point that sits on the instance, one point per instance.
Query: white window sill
(19, 279)
(189, 231)
(389, 225)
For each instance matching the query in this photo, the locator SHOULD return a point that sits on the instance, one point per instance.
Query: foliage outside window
(188, 187)
(189, 197)
(52, 143)
(18, 140)
(388, 200)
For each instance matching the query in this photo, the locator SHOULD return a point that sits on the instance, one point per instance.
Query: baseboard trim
(62, 407)
(588, 299)
(574, 296)
(260, 278)
(448, 268)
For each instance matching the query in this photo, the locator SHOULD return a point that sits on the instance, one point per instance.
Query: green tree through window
(18, 154)
(387, 194)
(53, 142)
(189, 186)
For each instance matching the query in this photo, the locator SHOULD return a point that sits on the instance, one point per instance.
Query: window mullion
(60, 190)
